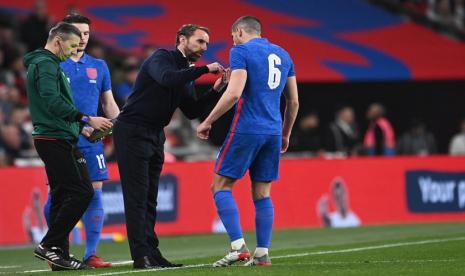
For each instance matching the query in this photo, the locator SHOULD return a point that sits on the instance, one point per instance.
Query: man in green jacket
(57, 124)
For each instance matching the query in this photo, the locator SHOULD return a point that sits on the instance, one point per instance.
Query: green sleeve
(48, 87)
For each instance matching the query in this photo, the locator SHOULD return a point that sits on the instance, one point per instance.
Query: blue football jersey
(89, 77)
(268, 66)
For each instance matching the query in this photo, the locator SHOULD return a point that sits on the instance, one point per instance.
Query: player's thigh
(96, 162)
(236, 155)
(265, 166)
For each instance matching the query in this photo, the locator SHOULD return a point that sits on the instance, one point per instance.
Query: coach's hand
(203, 130)
(100, 123)
(284, 144)
(215, 68)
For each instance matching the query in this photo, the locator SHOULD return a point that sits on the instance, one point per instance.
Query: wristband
(85, 119)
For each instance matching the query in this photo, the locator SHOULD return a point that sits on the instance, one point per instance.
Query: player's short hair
(63, 30)
(188, 30)
(76, 18)
(248, 23)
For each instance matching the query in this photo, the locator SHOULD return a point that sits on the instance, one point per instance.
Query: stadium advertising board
(434, 191)
(310, 193)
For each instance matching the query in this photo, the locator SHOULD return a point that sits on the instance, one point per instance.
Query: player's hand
(203, 130)
(87, 131)
(284, 144)
(215, 68)
(100, 123)
(220, 83)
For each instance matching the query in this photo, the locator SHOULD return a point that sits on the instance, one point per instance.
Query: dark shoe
(55, 256)
(164, 262)
(72, 259)
(144, 263)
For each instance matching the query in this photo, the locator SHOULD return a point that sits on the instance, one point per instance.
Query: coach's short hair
(188, 30)
(76, 18)
(248, 23)
(63, 30)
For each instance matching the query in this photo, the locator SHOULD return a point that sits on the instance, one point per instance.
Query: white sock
(237, 244)
(260, 251)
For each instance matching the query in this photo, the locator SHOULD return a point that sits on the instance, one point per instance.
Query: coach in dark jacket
(165, 82)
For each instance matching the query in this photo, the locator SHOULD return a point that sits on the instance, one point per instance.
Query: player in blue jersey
(261, 71)
(90, 85)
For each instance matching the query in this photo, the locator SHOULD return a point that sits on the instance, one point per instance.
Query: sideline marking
(348, 250)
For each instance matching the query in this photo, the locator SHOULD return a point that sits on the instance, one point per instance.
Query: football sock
(260, 251)
(47, 206)
(237, 244)
(93, 223)
(264, 215)
(229, 214)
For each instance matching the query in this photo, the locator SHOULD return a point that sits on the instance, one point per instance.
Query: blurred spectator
(342, 136)
(450, 12)
(417, 140)
(14, 135)
(379, 137)
(96, 50)
(307, 136)
(124, 88)
(446, 12)
(147, 50)
(181, 140)
(34, 30)
(3, 155)
(457, 144)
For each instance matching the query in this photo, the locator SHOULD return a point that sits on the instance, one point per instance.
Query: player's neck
(250, 37)
(77, 56)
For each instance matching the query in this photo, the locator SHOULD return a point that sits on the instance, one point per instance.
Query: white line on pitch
(356, 249)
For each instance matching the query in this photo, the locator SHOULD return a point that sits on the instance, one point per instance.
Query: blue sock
(47, 205)
(93, 223)
(229, 214)
(264, 216)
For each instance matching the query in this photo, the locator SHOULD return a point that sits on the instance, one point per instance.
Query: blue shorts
(259, 154)
(96, 163)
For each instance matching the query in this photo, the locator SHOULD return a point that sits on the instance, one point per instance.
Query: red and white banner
(373, 190)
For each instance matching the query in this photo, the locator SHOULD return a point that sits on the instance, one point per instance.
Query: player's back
(268, 67)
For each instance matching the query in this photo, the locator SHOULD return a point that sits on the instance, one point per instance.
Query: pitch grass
(415, 249)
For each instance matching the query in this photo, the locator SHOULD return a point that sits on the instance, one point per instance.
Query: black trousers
(140, 156)
(70, 188)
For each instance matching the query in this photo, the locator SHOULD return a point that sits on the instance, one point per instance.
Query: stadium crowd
(339, 138)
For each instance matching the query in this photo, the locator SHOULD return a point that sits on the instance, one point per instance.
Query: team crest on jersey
(92, 73)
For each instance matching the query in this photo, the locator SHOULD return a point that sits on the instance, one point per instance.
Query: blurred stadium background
(406, 55)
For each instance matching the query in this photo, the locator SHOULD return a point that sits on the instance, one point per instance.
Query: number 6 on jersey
(274, 74)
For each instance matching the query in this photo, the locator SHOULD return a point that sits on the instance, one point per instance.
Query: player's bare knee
(222, 183)
(257, 195)
(260, 190)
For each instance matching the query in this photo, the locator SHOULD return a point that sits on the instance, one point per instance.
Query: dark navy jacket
(164, 83)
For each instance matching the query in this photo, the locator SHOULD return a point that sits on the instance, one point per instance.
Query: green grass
(415, 249)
